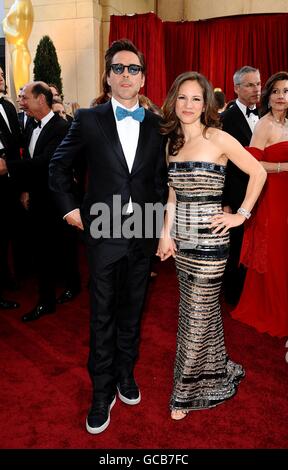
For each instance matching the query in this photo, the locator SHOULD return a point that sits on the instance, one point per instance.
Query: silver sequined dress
(203, 374)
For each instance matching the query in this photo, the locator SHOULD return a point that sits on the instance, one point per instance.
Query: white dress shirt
(252, 119)
(37, 131)
(128, 131)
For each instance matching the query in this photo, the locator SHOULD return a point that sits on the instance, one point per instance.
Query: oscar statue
(17, 26)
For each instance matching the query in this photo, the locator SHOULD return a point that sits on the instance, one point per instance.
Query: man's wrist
(70, 212)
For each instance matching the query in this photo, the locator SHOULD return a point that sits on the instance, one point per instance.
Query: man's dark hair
(43, 89)
(56, 88)
(3, 70)
(122, 45)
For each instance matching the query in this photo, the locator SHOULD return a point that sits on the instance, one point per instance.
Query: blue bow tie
(122, 113)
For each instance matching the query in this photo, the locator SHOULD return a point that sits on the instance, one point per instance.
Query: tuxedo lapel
(3, 124)
(27, 137)
(10, 133)
(242, 123)
(11, 116)
(109, 129)
(5, 133)
(43, 134)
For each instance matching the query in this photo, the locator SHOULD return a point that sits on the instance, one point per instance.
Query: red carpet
(45, 390)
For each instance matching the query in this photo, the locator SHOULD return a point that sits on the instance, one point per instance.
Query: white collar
(243, 107)
(116, 103)
(47, 118)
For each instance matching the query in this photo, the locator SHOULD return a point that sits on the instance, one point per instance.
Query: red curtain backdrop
(146, 31)
(220, 46)
(215, 47)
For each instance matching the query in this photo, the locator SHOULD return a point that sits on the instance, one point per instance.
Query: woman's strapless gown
(264, 300)
(203, 374)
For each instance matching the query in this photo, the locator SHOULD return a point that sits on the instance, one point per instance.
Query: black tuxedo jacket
(234, 122)
(31, 174)
(22, 121)
(10, 139)
(93, 135)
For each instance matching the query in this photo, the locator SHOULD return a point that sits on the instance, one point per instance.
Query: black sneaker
(98, 418)
(128, 391)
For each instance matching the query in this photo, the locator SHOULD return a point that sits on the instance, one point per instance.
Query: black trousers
(55, 252)
(119, 278)
(12, 231)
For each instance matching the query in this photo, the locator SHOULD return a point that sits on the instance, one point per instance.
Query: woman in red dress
(264, 301)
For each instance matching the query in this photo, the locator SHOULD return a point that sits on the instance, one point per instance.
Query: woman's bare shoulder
(263, 129)
(266, 122)
(217, 135)
(214, 133)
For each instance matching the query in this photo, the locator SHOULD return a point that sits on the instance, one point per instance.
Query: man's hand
(3, 167)
(166, 248)
(74, 219)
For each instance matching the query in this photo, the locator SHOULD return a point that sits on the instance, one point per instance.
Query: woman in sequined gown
(196, 233)
(264, 300)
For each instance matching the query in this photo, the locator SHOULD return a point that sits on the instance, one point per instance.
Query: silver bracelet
(244, 212)
(278, 167)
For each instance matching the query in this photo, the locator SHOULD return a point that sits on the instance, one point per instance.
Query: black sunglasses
(133, 69)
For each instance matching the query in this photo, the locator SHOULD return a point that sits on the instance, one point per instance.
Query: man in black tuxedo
(9, 204)
(22, 117)
(43, 135)
(239, 121)
(126, 171)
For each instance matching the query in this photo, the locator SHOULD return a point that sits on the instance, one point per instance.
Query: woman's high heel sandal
(179, 414)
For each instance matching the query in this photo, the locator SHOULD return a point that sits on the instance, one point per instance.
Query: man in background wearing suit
(9, 204)
(126, 161)
(43, 135)
(22, 117)
(239, 121)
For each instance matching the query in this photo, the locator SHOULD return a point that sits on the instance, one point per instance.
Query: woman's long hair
(267, 90)
(171, 125)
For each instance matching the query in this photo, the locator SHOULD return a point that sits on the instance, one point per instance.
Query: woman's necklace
(279, 120)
